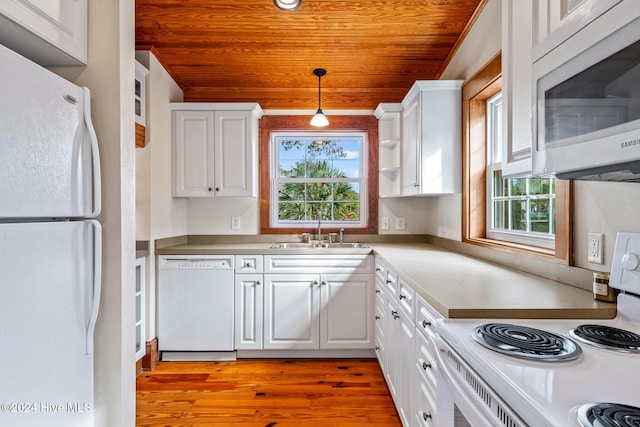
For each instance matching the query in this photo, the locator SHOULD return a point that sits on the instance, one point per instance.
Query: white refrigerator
(50, 247)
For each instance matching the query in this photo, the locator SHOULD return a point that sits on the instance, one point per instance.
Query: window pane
(289, 211)
(346, 211)
(518, 215)
(500, 213)
(517, 186)
(539, 186)
(539, 214)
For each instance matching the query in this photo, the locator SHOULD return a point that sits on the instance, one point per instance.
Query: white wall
(600, 207)
(158, 214)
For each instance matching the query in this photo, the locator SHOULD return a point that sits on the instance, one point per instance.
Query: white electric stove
(491, 387)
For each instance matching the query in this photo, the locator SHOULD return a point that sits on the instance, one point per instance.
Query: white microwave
(586, 101)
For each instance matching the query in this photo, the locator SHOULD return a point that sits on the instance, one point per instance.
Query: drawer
(406, 299)
(318, 264)
(425, 407)
(381, 271)
(425, 317)
(248, 264)
(391, 284)
(426, 362)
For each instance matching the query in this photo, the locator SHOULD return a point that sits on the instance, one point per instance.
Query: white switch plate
(235, 223)
(595, 248)
(400, 223)
(384, 223)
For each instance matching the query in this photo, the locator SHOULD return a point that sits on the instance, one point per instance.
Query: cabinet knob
(426, 365)
(377, 317)
(402, 296)
(377, 291)
(258, 283)
(210, 189)
(217, 188)
(314, 283)
(426, 416)
(416, 185)
(323, 283)
(377, 348)
(425, 323)
(248, 264)
(378, 269)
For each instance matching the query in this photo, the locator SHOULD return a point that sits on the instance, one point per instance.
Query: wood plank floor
(266, 393)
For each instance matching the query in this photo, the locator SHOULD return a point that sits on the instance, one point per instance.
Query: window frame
(300, 124)
(361, 180)
(475, 92)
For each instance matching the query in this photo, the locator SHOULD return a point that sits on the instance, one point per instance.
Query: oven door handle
(468, 404)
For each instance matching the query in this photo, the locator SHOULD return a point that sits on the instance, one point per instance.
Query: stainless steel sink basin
(313, 245)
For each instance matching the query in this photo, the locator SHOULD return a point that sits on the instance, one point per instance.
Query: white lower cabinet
(396, 338)
(304, 302)
(311, 311)
(405, 328)
(249, 297)
(425, 389)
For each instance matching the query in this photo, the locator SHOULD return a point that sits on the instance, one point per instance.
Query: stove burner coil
(607, 337)
(526, 343)
(603, 414)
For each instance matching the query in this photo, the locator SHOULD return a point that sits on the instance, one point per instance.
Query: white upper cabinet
(431, 138)
(557, 20)
(389, 117)
(215, 149)
(49, 32)
(517, 42)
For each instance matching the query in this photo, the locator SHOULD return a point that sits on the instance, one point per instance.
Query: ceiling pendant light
(288, 4)
(319, 119)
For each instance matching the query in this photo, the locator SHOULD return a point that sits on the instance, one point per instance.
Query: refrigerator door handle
(97, 283)
(95, 156)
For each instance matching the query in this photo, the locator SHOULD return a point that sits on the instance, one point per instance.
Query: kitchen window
(523, 216)
(520, 210)
(304, 170)
(318, 175)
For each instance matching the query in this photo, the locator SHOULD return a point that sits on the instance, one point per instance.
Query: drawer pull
(426, 365)
(377, 317)
(426, 416)
(425, 323)
(402, 296)
(377, 291)
(377, 348)
(388, 281)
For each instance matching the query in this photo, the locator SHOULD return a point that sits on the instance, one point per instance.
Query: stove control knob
(630, 261)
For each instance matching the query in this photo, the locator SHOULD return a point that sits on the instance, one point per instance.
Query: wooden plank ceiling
(251, 51)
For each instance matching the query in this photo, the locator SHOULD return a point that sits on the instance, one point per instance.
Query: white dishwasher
(195, 306)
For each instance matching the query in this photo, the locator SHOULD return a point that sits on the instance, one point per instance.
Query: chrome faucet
(320, 213)
(342, 235)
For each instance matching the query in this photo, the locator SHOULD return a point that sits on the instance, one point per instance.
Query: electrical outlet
(235, 223)
(384, 223)
(400, 223)
(595, 248)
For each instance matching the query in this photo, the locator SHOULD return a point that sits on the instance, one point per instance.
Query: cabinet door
(347, 305)
(411, 129)
(193, 153)
(404, 361)
(291, 310)
(248, 311)
(517, 42)
(49, 32)
(234, 154)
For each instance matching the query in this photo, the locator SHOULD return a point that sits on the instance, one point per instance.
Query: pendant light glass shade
(319, 119)
(288, 4)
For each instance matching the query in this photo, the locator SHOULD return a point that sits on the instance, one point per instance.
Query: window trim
(475, 91)
(365, 124)
(361, 180)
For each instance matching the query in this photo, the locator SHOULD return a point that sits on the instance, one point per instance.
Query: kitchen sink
(324, 245)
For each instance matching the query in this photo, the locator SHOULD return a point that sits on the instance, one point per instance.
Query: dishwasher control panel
(196, 263)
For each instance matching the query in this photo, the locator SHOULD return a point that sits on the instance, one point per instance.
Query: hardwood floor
(266, 393)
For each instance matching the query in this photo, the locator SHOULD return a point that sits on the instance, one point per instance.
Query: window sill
(517, 249)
